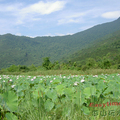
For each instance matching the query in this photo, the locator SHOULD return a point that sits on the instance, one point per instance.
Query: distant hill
(21, 50)
(110, 44)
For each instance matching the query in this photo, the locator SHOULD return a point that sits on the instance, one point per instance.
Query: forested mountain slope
(108, 45)
(21, 50)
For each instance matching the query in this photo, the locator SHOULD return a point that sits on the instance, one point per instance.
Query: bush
(107, 64)
(90, 63)
(46, 63)
(13, 68)
(32, 68)
(56, 65)
(23, 68)
(118, 67)
(84, 67)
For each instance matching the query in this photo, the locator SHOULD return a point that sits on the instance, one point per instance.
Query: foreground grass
(28, 112)
(65, 72)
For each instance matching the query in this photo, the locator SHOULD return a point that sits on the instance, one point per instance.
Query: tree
(56, 65)
(46, 63)
(32, 68)
(23, 68)
(90, 63)
(13, 68)
(107, 64)
(118, 67)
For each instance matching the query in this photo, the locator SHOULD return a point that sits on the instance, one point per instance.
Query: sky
(54, 17)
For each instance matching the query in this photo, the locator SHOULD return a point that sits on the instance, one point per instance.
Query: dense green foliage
(107, 50)
(27, 51)
(72, 97)
(56, 67)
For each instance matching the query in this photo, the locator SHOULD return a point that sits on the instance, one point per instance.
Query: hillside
(110, 44)
(21, 50)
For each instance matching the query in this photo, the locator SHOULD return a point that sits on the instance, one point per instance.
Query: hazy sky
(54, 17)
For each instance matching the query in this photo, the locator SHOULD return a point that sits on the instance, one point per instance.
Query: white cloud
(113, 14)
(18, 34)
(40, 7)
(43, 8)
(77, 17)
(60, 34)
(72, 18)
(33, 12)
(64, 21)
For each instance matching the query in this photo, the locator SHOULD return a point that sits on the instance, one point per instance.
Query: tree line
(90, 63)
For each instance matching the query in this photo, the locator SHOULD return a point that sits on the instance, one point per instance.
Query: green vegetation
(60, 97)
(90, 64)
(107, 49)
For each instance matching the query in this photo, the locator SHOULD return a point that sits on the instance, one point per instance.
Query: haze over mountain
(21, 50)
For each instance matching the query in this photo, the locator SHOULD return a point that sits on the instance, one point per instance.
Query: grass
(65, 72)
(31, 114)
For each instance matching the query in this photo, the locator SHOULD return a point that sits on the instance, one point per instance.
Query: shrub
(46, 63)
(13, 68)
(118, 67)
(32, 68)
(23, 68)
(84, 67)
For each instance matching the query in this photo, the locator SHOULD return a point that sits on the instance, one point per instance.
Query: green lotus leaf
(108, 90)
(116, 94)
(41, 88)
(48, 105)
(111, 82)
(39, 91)
(85, 110)
(37, 94)
(41, 81)
(19, 91)
(102, 78)
(60, 89)
(52, 94)
(11, 116)
(10, 100)
(79, 99)
(20, 94)
(56, 81)
(101, 86)
(88, 91)
(69, 93)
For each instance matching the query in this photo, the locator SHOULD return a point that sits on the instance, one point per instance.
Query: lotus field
(59, 97)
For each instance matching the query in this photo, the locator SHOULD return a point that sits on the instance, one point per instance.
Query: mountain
(21, 50)
(108, 45)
